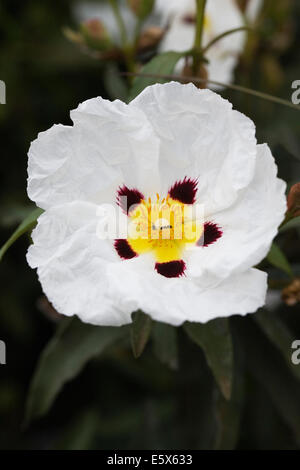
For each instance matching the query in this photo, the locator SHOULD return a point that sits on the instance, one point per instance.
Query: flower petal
(248, 227)
(176, 300)
(71, 262)
(109, 145)
(201, 137)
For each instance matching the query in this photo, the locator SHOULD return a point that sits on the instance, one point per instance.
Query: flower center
(164, 227)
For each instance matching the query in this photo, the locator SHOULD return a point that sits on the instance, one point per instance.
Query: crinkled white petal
(72, 264)
(175, 301)
(200, 137)
(249, 226)
(110, 143)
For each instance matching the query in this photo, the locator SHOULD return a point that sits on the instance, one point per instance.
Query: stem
(119, 19)
(200, 4)
(126, 46)
(223, 35)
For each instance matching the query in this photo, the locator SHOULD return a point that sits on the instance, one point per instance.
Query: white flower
(220, 16)
(185, 144)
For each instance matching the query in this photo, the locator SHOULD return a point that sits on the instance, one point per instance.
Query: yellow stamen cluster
(163, 227)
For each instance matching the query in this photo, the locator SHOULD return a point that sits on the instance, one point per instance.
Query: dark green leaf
(74, 344)
(115, 85)
(165, 344)
(278, 259)
(214, 338)
(140, 332)
(163, 64)
(279, 334)
(293, 223)
(229, 412)
(27, 225)
(269, 369)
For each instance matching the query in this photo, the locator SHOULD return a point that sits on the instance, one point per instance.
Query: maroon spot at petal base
(210, 235)
(184, 191)
(126, 198)
(171, 269)
(123, 249)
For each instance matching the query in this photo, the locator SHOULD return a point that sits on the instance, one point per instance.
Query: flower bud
(293, 200)
(150, 37)
(95, 34)
(291, 294)
(201, 73)
(141, 8)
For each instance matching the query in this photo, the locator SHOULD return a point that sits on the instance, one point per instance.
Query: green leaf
(74, 344)
(280, 335)
(140, 332)
(229, 412)
(163, 64)
(114, 84)
(215, 339)
(25, 226)
(278, 259)
(293, 223)
(271, 371)
(165, 344)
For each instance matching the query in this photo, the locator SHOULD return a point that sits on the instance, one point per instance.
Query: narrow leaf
(280, 335)
(215, 339)
(74, 344)
(278, 259)
(25, 226)
(229, 412)
(140, 332)
(163, 64)
(271, 372)
(165, 344)
(115, 85)
(293, 223)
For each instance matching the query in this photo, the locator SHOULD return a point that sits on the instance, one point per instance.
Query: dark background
(117, 401)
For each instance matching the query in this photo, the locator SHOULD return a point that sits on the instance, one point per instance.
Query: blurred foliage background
(116, 401)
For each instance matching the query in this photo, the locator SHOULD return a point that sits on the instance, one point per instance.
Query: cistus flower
(173, 148)
(220, 16)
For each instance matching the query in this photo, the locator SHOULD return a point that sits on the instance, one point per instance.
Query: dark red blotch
(184, 191)
(211, 234)
(124, 250)
(171, 269)
(126, 198)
